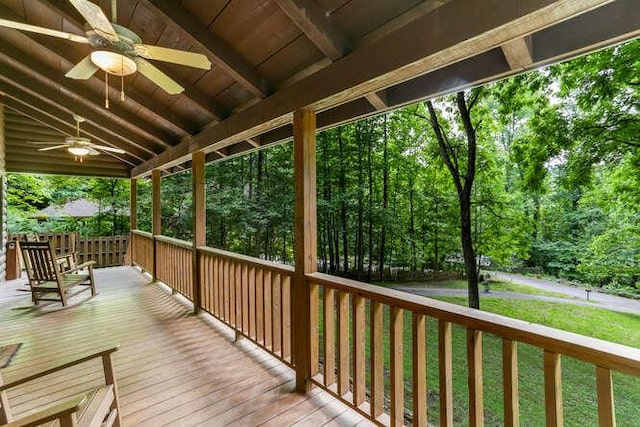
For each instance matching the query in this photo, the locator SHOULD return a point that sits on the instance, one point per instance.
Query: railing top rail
(256, 262)
(599, 352)
(174, 241)
(142, 233)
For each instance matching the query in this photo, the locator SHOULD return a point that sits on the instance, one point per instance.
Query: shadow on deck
(173, 368)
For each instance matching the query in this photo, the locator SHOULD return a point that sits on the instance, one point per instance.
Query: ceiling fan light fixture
(78, 151)
(113, 63)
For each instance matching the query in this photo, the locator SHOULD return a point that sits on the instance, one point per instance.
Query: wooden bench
(55, 278)
(98, 407)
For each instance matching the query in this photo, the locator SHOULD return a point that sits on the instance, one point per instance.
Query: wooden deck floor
(172, 368)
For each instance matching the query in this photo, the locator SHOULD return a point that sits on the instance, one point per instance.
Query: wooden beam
(453, 33)
(224, 56)
(313, 22)
(199, 222)
(62, 169)
(378, 100)
(306, 260)
(518, 53)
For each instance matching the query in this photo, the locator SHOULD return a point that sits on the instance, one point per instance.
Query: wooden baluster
(260, 306)
(314, 343)
(553, 389)
(606, 406)
(226, 280)
(286, 317)
(343, 343)
(474, 364)
(237, 294)
(245, 300)
(219, 295)
(275, 322)
(329, 337)
(233, 303)
(358, 326)
(397, 376)
(446, 373)
(267, 309)
(419, 370)
(252, 302)
(377, 359)
(510, 383)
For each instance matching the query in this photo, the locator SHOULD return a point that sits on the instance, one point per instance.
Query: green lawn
(495, 285)
(580, 407)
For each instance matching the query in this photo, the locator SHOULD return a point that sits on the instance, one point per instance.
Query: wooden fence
(358, 340)
(107, 251)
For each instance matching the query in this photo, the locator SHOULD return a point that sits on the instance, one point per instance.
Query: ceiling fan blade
(107, 148)
(83, 70)
(96, 19)
(42, 30)
(93, 152)
(55, 147)
(158, 77)
(174, 56)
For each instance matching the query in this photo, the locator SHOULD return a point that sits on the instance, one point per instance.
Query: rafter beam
(517, 52)
(378, 100)
(224, 56)
(453, 33)
(311, 20)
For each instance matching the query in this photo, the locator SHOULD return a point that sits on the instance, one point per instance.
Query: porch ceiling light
(113, 63)
(78, 151)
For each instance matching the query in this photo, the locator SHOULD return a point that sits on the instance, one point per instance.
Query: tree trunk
(343, 205)
(385, 200)
(463, 184)
(359, 250)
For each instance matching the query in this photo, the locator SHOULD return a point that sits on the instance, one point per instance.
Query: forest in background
(556, 189)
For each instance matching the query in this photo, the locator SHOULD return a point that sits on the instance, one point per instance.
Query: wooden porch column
(133, 215)
(303, 294)
(3, 199)
(199, 221)
(156, 228)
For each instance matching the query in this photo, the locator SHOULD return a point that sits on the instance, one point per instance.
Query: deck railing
(358, 339)
(142, 250)
(174, 260)
(250, 295)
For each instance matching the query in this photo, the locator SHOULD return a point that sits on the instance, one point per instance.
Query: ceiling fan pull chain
(122, 78)
(106, 90)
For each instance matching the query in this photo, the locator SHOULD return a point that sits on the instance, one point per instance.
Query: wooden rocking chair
(48, 281)
(98, 407)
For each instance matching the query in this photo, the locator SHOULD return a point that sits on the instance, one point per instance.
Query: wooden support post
(198, 214)
(133, 216)
(133, 204)
(156, 210)
(305, 337)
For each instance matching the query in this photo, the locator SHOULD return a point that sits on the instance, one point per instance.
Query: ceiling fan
(77, 145)
(116, 49)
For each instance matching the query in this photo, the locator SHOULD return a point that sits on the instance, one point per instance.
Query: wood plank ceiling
(346, 58)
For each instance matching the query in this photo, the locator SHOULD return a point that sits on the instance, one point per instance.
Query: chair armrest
(99, 353)
(66, 261)
(54, 412)
(81, 266)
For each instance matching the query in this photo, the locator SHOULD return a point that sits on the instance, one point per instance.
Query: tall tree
(463, 174)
